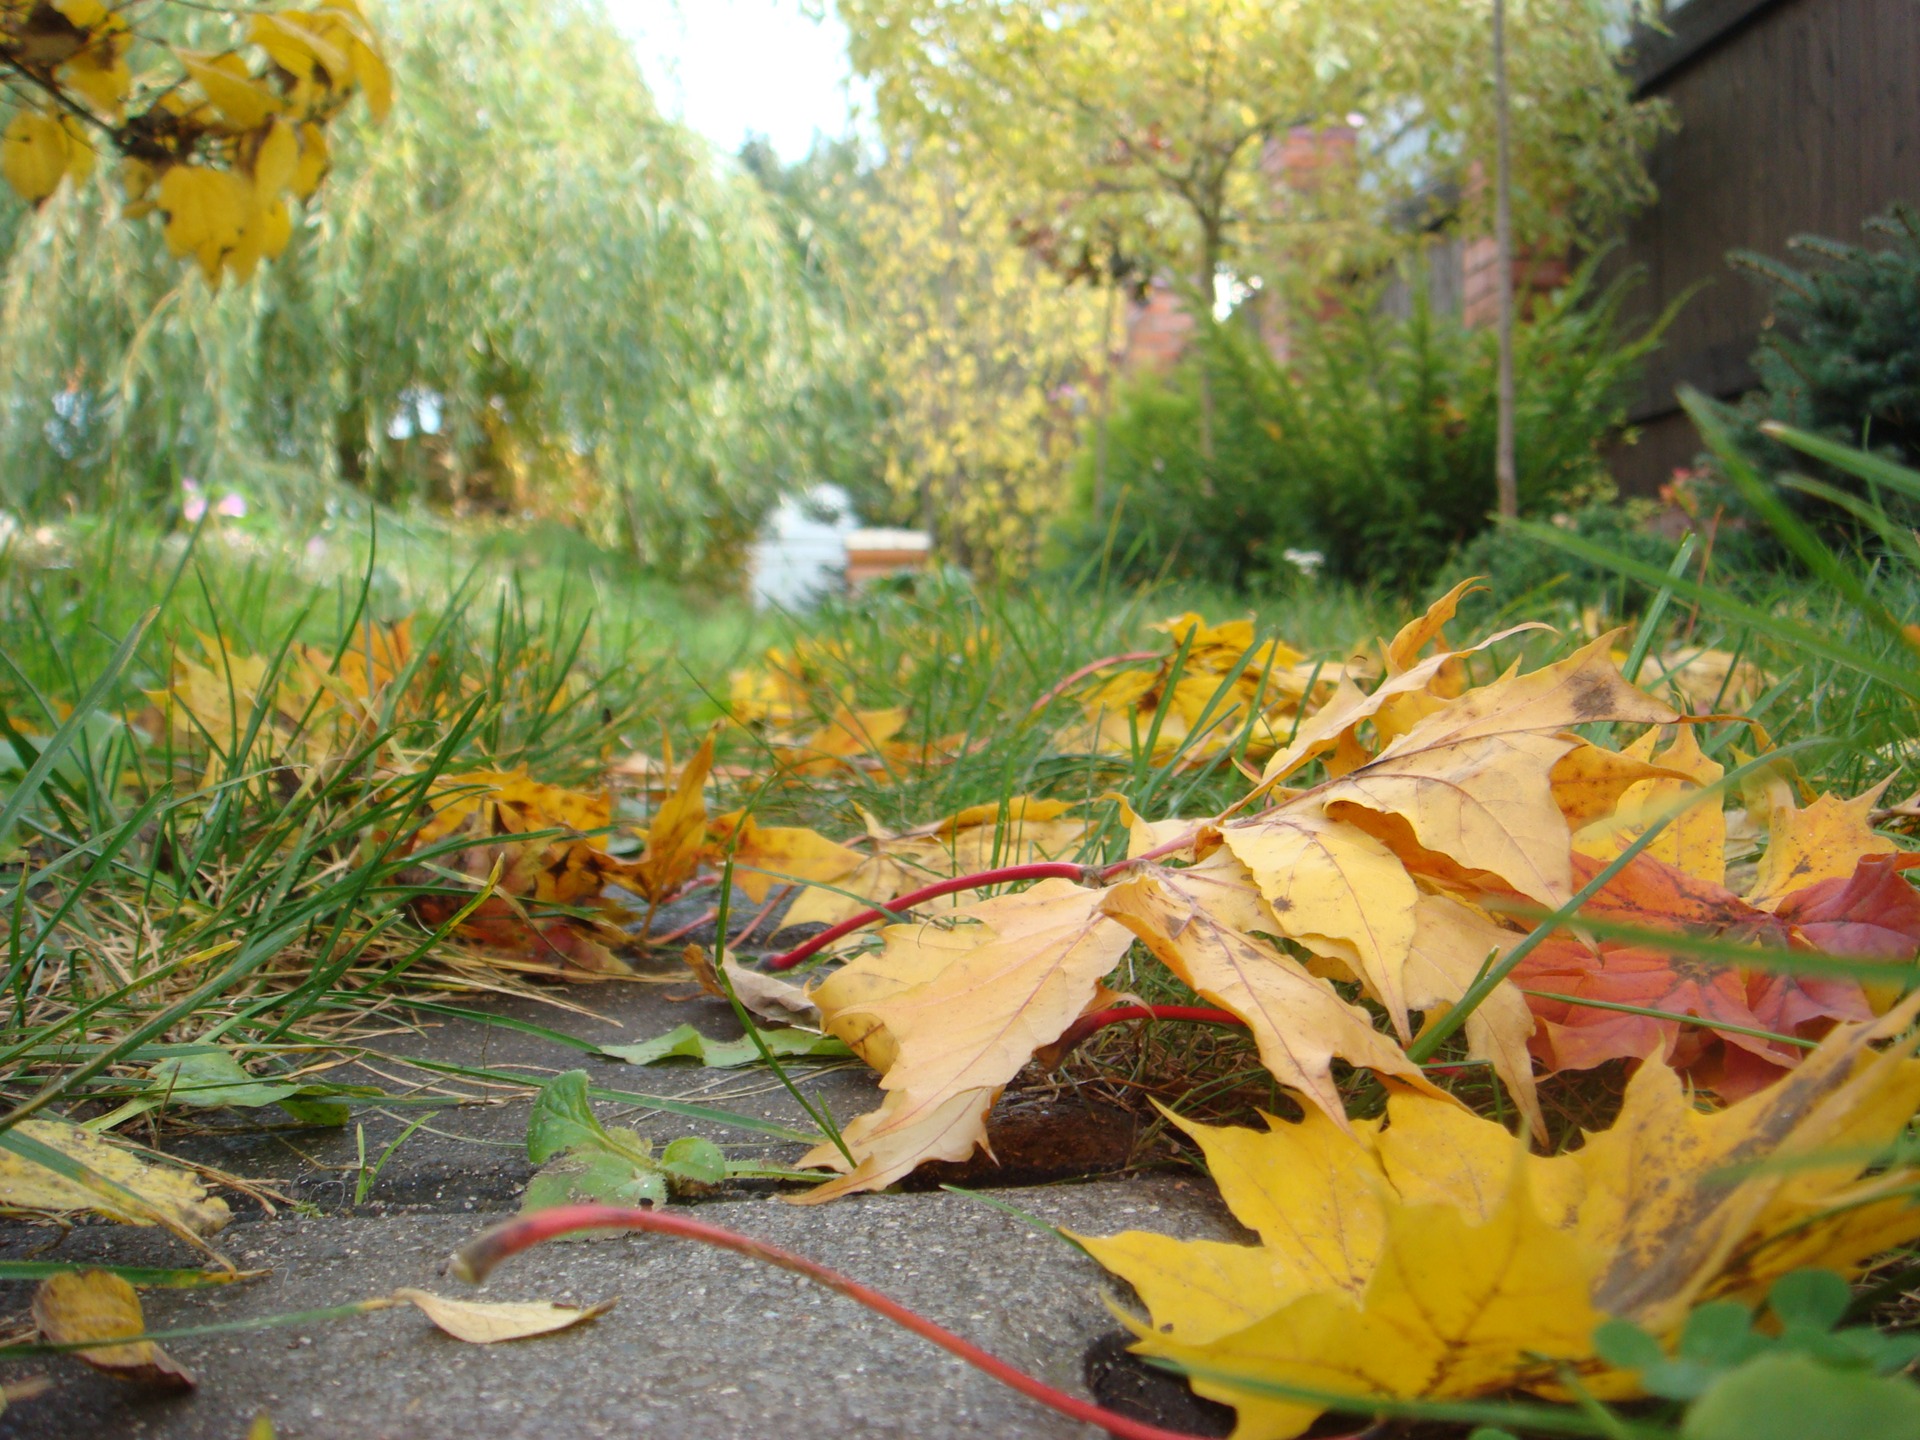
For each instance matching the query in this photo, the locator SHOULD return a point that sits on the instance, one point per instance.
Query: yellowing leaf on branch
(35, 151)
(207, 213)
(242, 101)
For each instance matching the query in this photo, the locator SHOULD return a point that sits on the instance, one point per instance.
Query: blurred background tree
(528, 292)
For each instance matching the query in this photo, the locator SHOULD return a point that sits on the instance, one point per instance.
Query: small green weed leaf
(685, 1042)
(1795, 1397)
(1487, 1432)
(1720, 1334)
(562, 1119)
(583, 1161)
(606, 1179)
(318, 1111)
(1625, 1346)
(694, 1159)
(215, 1080)
(1813, 1299)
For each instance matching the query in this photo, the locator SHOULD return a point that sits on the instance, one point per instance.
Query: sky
(730, 68)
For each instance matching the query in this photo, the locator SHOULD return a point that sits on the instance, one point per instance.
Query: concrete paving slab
(704, 1345)
(472, 1156)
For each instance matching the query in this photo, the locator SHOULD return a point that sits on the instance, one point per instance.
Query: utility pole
(1506, 480)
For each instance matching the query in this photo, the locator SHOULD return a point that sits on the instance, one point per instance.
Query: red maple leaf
(1731, 999)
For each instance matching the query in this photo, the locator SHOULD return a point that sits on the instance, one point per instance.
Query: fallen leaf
(86, 1305)
(1298, 1021)
(767, 996)
(1695, 836)
(486, 809)
(161, 1194)
(1342, 715)
(686, 1043)
(1433, 1258)
(768, 855)
(1872, 913)
(955, 1014)
(851, 740)
(1453, 944)
(1019, 831)
(1473, 779)
(1229, 691)
(1654, 896)
(676, 836)
(1825, 841)
(1333, 887)
(482, 1322)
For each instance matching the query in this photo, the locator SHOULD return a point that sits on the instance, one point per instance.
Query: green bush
(1841, 357)
(1521, 573)
(1372, 445)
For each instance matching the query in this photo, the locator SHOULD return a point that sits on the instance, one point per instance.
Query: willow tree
(1150, 119)
(527, 287)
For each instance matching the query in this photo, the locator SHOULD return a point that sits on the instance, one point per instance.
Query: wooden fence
(1796, 117)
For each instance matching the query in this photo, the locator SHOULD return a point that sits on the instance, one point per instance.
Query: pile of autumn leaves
(1430, 1252)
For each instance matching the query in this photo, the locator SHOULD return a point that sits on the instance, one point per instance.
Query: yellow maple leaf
(955, 1013)
(1335, 889)
(1432, 1257)
(1823, 841)
(1473, 780)
(569, 871)
(1695, 839)
(768, 855)
(677, 834)
(1186, 917)
(1226, 686)
(1019, 831)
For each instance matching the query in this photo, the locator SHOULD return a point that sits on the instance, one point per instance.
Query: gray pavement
(703, 1345)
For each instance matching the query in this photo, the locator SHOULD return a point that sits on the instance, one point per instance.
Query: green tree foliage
(527, 290)
(1143, 124)
(839, 406)
(1371, 444)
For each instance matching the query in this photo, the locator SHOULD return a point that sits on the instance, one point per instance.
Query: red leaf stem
(686, 929)
(1006, 875)
(1100, 1019)
(1087, 669)
(480, 1255)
